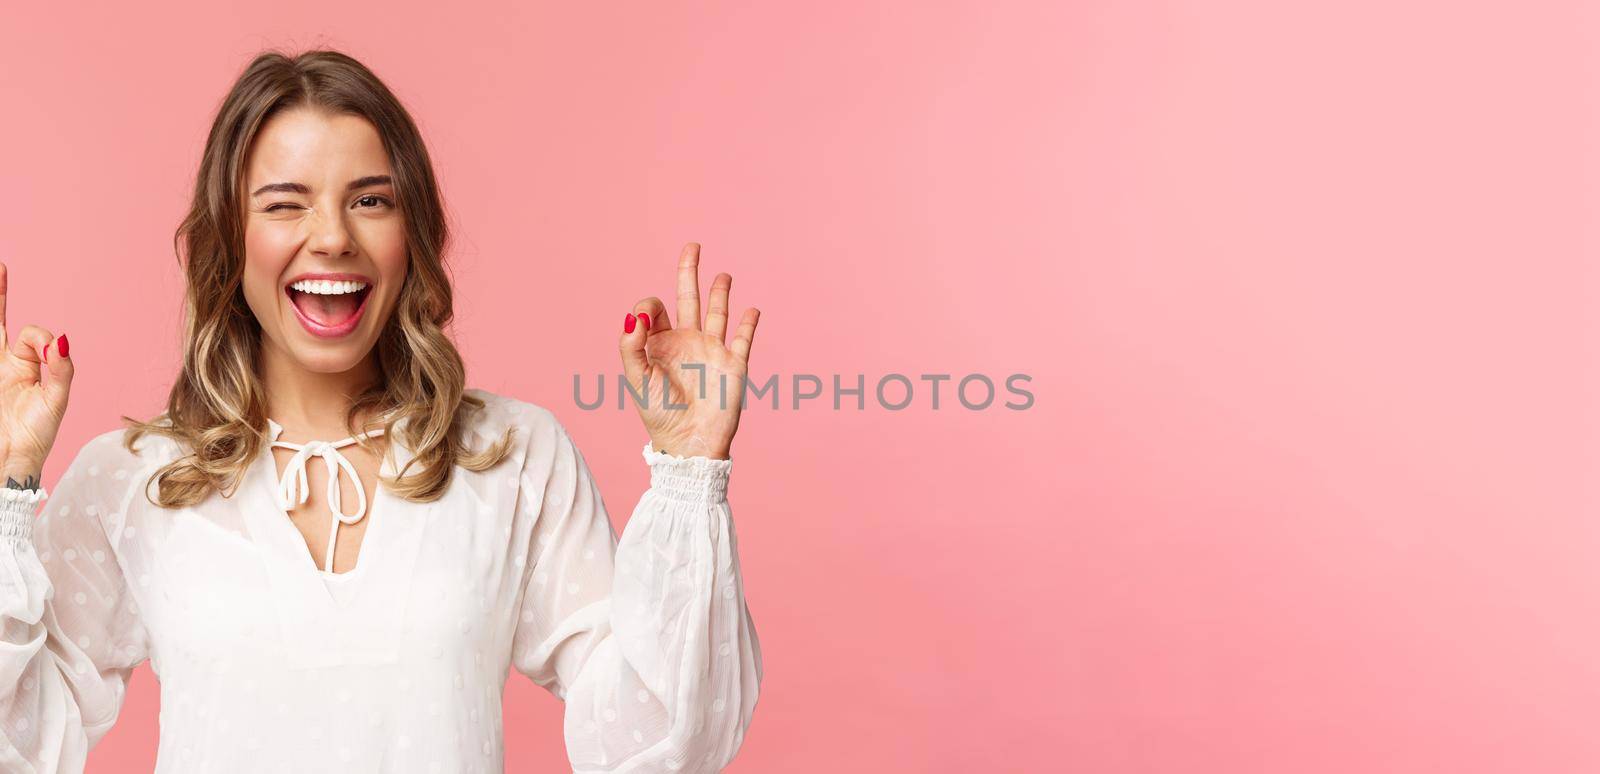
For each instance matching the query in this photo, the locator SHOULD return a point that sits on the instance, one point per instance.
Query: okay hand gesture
(664, 365)
(31, 409)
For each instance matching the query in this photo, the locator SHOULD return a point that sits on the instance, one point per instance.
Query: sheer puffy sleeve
(70, 632)
(649, 641)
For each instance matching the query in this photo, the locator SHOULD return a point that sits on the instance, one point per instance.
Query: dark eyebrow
(369, 180)
(301, 188)
(284, 187)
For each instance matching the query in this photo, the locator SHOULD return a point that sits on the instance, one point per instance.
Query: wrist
(691, 449)
(21, 474)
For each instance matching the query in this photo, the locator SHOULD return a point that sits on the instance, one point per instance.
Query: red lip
(325, 331)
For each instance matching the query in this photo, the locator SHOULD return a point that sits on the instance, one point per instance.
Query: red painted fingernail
(61, 346)
(628, 323)
(644, 318)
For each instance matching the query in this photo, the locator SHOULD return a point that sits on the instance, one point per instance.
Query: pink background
(1307, 296)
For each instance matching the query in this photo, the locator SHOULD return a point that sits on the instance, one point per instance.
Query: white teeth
(328, 287)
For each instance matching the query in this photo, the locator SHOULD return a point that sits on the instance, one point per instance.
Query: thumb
(58, 359)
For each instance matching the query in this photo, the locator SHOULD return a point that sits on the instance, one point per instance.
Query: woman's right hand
(30, 409)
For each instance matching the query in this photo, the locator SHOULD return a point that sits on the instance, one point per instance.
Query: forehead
(316, 148)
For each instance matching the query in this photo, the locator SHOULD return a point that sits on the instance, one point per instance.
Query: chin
(331, 358)
(330, 366)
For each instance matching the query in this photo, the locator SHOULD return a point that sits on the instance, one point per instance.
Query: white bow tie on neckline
(294, 487)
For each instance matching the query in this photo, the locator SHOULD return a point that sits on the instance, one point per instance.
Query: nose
(329, 237)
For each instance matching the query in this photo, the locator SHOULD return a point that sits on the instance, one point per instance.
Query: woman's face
(325, 244)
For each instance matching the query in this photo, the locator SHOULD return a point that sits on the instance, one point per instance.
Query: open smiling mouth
(329, 308)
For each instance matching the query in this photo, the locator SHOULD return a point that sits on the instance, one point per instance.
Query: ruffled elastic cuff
(688, 479)
(17, 510)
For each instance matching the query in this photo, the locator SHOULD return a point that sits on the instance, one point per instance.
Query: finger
(59, 358)
(689, 287)
(29, 346)
(655, 312)
(634, 362)
(717, 306)
(745, 335)
(3, 340)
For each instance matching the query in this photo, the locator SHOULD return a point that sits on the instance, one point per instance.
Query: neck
(309, 402)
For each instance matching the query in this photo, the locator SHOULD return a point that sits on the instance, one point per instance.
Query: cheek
(267, 253)
(383, 238)
(384, 241)
(269, 244)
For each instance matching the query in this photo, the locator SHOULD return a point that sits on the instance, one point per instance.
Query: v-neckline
(362, 623)
(274, 433)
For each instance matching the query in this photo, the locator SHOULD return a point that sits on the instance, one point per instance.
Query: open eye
(372, 200)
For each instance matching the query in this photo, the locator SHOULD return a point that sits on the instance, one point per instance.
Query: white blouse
(269, 663)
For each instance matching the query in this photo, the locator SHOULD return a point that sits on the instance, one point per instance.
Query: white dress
(268, 663)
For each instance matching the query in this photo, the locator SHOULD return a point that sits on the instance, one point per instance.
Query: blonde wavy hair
(217, 409)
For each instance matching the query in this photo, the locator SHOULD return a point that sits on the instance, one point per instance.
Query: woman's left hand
(703, 412)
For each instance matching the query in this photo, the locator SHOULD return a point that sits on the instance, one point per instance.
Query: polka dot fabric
(268, 663)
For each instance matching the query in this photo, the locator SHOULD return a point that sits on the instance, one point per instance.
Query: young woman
(360, 613)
